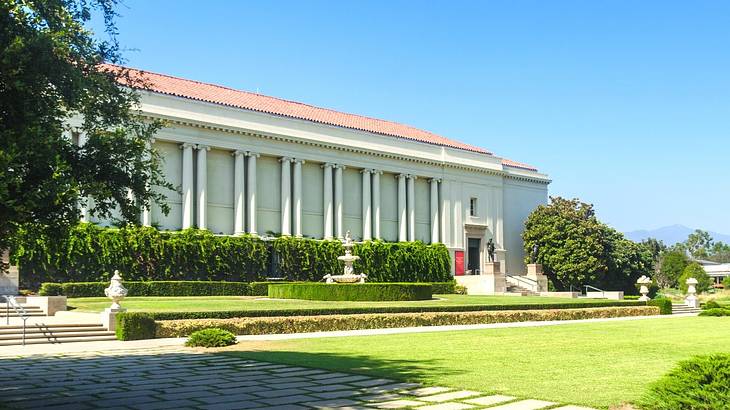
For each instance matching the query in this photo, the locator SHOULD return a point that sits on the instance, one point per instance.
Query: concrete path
(180, 378)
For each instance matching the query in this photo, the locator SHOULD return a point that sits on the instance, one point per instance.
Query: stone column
(187, 185)
(367, 222)
(402, 224)
(338, 202)
(376, 204)
(239, 189)
(202, 196)
(251, 192)
(327, 200)
(445, 212)
(298, 197)
(286, 196)
(146, 211)
(434, 210)
(83, 208)
(411, 208)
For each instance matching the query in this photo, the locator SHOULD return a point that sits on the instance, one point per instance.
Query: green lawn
(207, 303)
(597, 364)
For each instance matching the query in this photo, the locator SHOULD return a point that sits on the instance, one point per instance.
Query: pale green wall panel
(520, 200)
(172, 168)
(220, 191)
(423, 206)
(352, 201)
(268, 194)
(312, 199)
(389, 207)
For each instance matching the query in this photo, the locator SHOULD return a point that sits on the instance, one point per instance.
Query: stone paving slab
(179, 378)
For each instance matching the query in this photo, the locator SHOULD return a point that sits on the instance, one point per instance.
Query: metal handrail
(20, 310)
(603, 292)
(530, 282)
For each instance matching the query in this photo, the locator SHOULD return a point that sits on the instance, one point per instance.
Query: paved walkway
(180, 378)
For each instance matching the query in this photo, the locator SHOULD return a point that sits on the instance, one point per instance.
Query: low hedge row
(184, 288)
(352, 292)
(301, 324)
(664, 304)
(158, 288)
(140, 325)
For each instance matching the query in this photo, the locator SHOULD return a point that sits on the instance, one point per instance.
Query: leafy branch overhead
(55, 90)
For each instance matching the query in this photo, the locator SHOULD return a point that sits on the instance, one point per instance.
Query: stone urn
(644, 281)
(691, 299)
(116, 291)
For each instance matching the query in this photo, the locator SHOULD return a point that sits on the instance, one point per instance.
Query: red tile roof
(514, 164)
(217, 94)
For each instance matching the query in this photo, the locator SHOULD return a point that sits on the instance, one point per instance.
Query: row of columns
(291, 197)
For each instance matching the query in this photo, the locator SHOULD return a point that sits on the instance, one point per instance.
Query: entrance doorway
(473, 256)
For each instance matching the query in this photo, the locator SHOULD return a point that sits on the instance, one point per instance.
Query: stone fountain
(349, 275)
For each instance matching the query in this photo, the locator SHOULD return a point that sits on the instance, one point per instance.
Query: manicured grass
(207, 303)
(596, 364)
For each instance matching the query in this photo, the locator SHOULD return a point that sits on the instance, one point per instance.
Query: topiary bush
(152, 288)
(695, 270)
(700, 383)
(715, 312)
(351, 292)
(211, 337)
(711, 304)
(664, 304)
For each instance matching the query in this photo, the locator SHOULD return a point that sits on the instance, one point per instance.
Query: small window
(473, 207)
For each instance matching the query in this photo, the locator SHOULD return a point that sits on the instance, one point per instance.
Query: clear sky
(625, 104)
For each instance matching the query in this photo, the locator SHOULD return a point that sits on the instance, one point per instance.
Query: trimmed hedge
(351, 292)
(700, 383)
(158, 288)
(90, 253)
(711, 304)
(717, 312)
(302, 324)
(139, 325)
(664, 304)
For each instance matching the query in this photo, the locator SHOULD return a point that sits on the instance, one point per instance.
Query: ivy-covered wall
(89, 253)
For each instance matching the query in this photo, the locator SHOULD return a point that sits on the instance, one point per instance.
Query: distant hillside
(672, 234)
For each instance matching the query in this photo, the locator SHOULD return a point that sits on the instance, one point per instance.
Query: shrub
(90, 253)
(302, 324)
(211, 337)
(352, 292)
(715, 312)
(711, 304)
(664, 304)
(443, 288)
(700, 383)
(631, 297)
(695, 270)
(141, 325)
(152, 288)
(726, 283)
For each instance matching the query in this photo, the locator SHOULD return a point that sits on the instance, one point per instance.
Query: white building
(717, 271)
(251, 163)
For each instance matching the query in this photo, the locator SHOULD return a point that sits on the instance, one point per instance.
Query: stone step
(679, 309)
(55, 336)
(51, 330)
(16, 342)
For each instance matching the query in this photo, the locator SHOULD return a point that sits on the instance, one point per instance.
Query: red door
(459, 263)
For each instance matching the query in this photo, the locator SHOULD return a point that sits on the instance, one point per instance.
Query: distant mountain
(671, 234)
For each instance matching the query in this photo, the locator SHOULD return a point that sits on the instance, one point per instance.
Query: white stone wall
(505, 196)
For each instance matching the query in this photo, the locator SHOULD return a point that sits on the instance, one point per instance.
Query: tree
(576, 249)
(695, 270)
(670, 269)
(51, 73)
(720, 252)
(656, 248)
(699, 244)
(726, 282)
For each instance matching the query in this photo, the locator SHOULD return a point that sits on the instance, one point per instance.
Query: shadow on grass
(402, 370)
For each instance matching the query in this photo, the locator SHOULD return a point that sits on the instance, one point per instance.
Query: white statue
(644, 281)
(116, 291)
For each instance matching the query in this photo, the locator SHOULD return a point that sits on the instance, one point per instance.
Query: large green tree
(51, 73)
(670, 269)
(576, 249)
(695, 270)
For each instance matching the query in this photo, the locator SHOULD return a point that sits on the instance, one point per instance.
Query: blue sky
(624, 104)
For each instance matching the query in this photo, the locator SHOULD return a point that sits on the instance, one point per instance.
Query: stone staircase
(681, 309)
(511, 288)
(53, 333)
(30, 310)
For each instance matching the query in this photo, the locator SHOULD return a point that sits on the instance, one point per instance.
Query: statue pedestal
(109, 318)
(534, 272)
(9, 280)
(491, 268)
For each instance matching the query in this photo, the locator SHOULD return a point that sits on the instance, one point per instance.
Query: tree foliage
(671, 268)
(695, 270)
(576, 249)
(53, 85)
